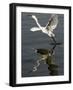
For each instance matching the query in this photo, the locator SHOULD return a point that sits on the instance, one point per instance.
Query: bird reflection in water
(46, 55)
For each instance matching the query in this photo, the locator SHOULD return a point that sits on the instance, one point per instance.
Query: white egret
(48, 29)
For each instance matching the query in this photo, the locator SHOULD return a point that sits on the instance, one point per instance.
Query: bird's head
(34, 17)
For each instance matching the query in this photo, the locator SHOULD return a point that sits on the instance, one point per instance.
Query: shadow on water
(52, 66)
(47, 55)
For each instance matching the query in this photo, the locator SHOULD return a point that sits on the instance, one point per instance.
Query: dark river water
(39, 40)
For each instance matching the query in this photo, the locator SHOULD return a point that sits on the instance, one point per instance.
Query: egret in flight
(48, 29)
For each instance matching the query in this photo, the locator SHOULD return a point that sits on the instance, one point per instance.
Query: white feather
(52, 24)
(35, 29)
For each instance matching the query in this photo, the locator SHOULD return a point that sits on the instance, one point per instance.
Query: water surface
(40, 40)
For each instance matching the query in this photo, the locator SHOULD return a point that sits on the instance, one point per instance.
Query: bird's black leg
(54, 40)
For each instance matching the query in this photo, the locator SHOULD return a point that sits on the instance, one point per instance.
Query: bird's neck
(38, 23)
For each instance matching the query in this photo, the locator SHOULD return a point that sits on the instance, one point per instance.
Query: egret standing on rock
(48, 29)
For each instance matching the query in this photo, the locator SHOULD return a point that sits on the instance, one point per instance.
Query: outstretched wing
(35, 29)
(52, 24)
